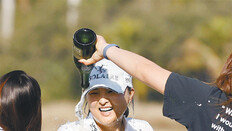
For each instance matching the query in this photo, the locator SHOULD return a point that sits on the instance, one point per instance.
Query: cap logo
(102, 73)
(100, 69)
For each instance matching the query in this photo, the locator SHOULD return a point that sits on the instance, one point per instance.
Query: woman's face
(107, 106)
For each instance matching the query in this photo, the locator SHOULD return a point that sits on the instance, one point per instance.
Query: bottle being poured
(84, 41)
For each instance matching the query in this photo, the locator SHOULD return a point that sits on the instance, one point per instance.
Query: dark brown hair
(224, 81)
(20, 102)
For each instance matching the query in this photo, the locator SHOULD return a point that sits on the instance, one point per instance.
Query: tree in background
(189, 37)
(7, 20)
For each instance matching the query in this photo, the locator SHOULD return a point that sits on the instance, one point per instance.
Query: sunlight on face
(107, 106)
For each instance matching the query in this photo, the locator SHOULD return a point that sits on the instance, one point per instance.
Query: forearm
(140, 68)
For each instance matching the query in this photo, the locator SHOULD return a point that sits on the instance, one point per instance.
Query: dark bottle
(84, 41)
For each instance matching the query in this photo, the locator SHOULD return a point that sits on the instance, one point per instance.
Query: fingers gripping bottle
(84, 41)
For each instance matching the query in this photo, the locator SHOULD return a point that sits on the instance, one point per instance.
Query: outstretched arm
(139, 67)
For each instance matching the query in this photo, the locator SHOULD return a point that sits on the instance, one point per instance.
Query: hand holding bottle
(98, 54)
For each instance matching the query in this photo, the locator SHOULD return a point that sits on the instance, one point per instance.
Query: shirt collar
(94, 127)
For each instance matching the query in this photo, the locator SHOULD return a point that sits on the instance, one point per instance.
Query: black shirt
(196, 105)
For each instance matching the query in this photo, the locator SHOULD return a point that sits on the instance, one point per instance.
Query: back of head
(20, 102)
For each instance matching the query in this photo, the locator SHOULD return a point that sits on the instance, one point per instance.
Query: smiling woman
(107, 98)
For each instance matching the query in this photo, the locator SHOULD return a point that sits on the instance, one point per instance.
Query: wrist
(106, 49)
(102, 48)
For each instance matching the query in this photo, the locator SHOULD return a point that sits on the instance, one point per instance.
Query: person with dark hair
(20, 102)
(195, 104)
(108, 96)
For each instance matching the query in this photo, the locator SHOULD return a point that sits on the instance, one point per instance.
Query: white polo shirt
(88, 124)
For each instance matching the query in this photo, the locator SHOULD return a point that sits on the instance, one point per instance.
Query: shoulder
(74, 126)
(182, 80)
(181, 85)
(69, 126)
(82, 125)
(137, 124)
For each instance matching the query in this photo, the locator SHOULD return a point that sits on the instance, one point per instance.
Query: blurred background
(190, 37)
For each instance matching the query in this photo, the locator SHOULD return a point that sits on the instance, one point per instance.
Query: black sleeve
(183, 96)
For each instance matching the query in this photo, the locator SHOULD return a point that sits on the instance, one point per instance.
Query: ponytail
(224, 81)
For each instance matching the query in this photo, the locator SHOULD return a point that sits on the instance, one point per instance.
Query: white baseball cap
(105, 74)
